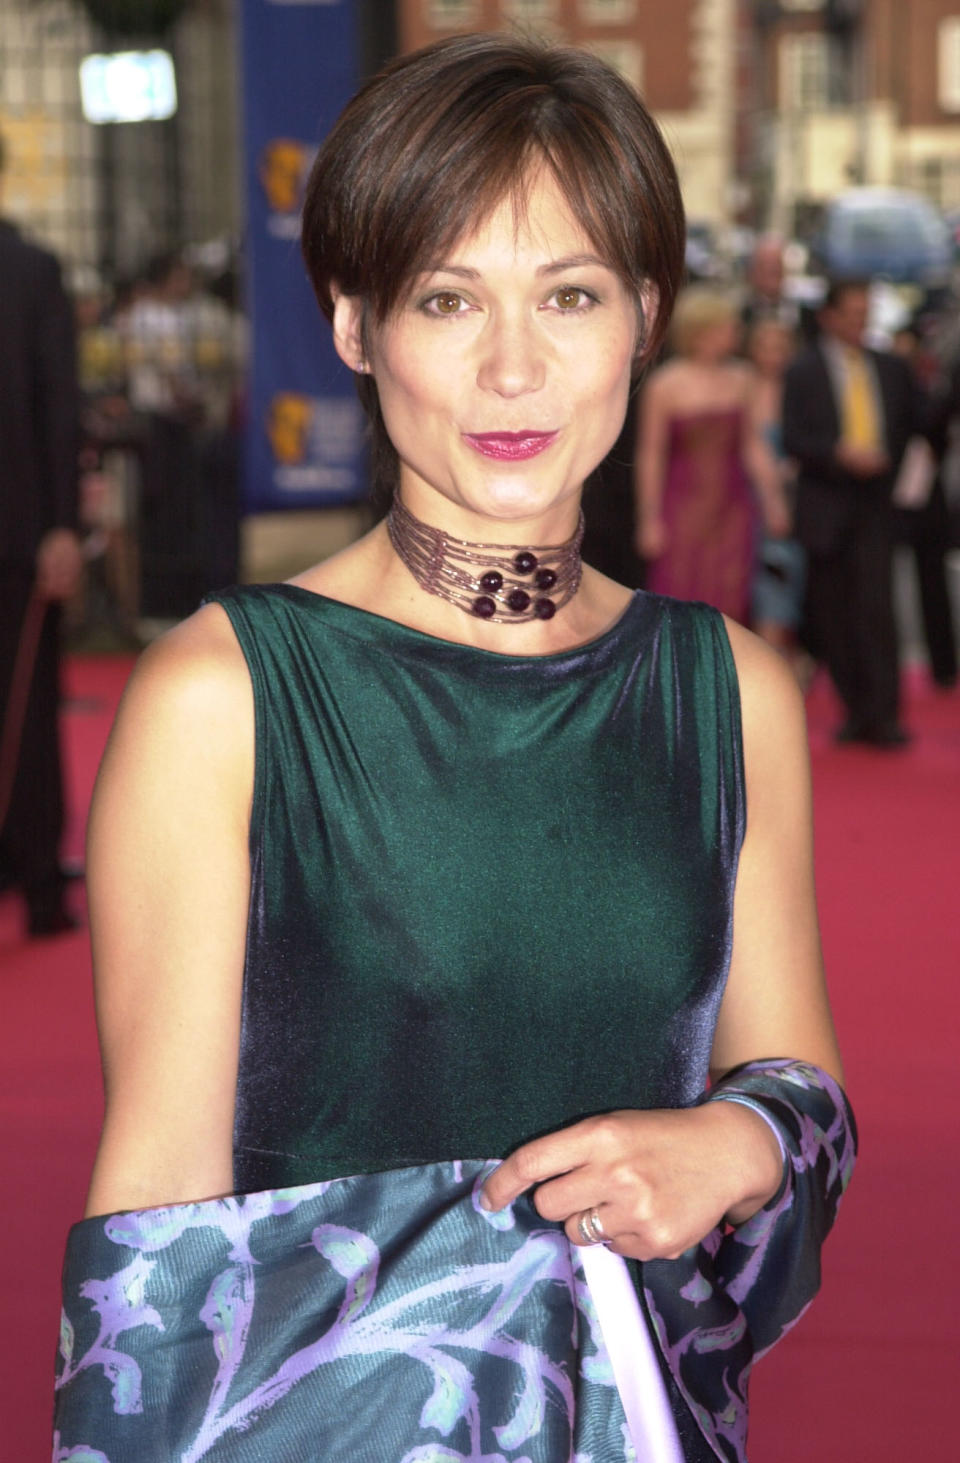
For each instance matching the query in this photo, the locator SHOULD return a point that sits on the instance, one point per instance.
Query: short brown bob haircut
(426, 151)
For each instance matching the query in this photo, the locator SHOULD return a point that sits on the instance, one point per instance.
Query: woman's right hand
(651, 537)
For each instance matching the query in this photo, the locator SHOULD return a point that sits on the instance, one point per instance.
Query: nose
(512, 361)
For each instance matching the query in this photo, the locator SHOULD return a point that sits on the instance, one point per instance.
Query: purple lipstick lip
(510, 446)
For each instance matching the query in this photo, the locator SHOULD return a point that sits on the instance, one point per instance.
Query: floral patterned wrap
(387, 1318)
(725, 1302)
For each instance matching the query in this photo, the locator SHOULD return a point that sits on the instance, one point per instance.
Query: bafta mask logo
(282, 167)
(288, 426)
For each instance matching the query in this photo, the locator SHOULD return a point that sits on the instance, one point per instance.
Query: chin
(516, 497)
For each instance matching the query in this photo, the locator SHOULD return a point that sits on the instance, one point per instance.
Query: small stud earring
(361, 365)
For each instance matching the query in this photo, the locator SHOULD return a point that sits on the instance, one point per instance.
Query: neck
(553, 525)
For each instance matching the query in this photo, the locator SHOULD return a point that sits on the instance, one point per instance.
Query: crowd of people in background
(700, 499)
(779, 458)
(161, 359)
(768, 466)
(120, 417)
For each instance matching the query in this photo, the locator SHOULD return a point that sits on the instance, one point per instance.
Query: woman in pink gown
(706, 480)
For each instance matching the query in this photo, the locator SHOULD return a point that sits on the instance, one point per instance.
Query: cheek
(413, 389)
(605, 376)
(600, 405)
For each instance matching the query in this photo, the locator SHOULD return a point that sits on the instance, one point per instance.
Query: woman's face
(503, 378)
(715, 342)
(770, 348)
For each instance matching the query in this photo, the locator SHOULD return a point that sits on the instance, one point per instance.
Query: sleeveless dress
(490, 895)
(710, 514)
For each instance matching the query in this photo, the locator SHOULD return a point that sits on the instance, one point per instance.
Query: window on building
(930, 179)
(804, 66)
(624, 56)
(530, 11)
(948, 64)
(449, 14)
(608, 12)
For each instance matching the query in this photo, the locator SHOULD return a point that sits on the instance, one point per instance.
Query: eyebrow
(572, 261)
(555, 266)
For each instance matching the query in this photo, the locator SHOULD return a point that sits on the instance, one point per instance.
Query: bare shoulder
(189, 702)
(772, 710)
(197, 665)
(768, 687)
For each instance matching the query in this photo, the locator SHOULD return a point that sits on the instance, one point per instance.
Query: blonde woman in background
(706, 479)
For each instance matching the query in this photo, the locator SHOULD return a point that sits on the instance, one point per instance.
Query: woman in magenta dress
(706, 479)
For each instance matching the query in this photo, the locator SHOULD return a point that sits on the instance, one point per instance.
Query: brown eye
(569, 297)
(447, 304)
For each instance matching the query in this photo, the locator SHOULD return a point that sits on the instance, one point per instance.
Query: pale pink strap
(632, 1359)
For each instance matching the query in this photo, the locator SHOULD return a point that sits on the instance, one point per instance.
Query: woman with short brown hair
(424, 901)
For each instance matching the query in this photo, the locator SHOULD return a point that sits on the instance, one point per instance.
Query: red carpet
(866, 1377)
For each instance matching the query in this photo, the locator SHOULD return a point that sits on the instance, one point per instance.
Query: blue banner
(305, 428)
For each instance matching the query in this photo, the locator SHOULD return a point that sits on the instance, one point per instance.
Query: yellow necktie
(861, 426)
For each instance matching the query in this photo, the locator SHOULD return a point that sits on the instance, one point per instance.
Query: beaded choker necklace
(505, 583)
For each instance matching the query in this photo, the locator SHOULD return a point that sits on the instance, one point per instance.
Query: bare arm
(169, 884)
(662, 1180)
(650, 466)
(775, 1003)
(765, 471)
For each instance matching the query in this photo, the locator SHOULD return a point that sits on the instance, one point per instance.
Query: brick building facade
(854, 91)
(681, 54)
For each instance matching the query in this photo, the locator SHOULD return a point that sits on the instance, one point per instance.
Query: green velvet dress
(491, 893)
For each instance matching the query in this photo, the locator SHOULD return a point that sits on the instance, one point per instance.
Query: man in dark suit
(39, 564)
(848, 414)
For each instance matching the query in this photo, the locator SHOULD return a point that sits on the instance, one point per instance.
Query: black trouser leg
(30, 837)
(930, 547)
(850, 608)
(873, 627)
(830, 619)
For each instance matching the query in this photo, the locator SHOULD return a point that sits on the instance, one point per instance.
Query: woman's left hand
(659, 1181)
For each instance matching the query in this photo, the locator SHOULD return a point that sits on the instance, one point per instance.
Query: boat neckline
(299, 591)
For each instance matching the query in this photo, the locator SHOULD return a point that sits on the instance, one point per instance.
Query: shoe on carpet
(851, 731)
(891, 734)
(44, 923)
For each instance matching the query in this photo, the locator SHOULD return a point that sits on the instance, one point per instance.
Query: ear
(647, 310)
(348, 329)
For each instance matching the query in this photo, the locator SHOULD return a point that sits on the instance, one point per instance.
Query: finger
(569, 1195)
(543, 1158)
(629, 1246)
